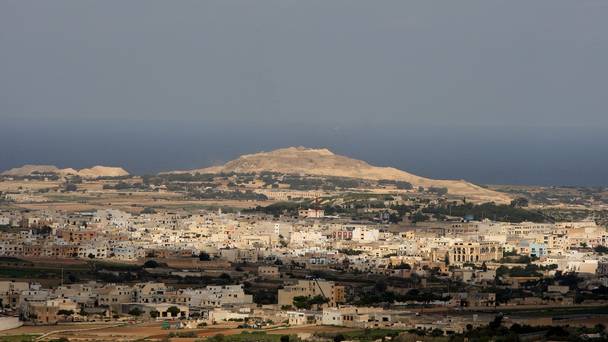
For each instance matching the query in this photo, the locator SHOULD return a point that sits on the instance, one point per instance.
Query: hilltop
(323, 162)
(93, 172)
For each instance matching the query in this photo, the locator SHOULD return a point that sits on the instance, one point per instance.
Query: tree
(70, 187)
(154, 313)
(349, 251)
(135, 312)
(76, 179)
(495, 324)
(437, 332)
(217, 338)
(318, 300)
(499, 212)
(306, 302)
(520, 202)
(557, 331)
(394, 218)
(403, 266)
(599, 249)
(339, 338)
(301, 302)
(439, 191)
(173, 310)
(203, 256)
(380, 286)
(65, 313)
(151, 264)
(148, 210)
(61, 339)
(72, 278)
(569, 279)
(285, 338)
(419, 217)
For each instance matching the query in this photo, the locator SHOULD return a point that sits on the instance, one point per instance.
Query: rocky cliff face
(322, 162)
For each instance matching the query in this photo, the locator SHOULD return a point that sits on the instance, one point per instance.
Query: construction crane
(321, 290)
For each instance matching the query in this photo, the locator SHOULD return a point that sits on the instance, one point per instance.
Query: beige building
(10, 292)
(50, 311)
(113, 294)
(474, 252)
(311, 213)
(312, 288)
(239, 255)
(360, 317)
(269, 272)
(163, 310)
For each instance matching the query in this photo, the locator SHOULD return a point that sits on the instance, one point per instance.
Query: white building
(365, 235)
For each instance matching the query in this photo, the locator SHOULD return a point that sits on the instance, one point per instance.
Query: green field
(29, 273)
(364, 335)
(250, 336)
(18, 338)
(553, 312)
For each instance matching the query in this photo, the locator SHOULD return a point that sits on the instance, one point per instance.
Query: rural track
(45, 335)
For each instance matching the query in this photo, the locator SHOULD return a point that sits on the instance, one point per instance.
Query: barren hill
(322, 162)
(102, 171)
(94, 172)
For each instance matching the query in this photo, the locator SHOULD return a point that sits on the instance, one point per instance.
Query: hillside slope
(93, 172)
(322, 162)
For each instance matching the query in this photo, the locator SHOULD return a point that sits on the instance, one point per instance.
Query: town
(320, 262)
(303, 171)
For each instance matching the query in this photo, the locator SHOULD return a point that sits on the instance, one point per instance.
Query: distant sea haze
(481, 154)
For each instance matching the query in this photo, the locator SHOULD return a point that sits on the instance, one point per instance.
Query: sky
(509, 92)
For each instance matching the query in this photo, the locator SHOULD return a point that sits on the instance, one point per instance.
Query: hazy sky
(490, 91)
